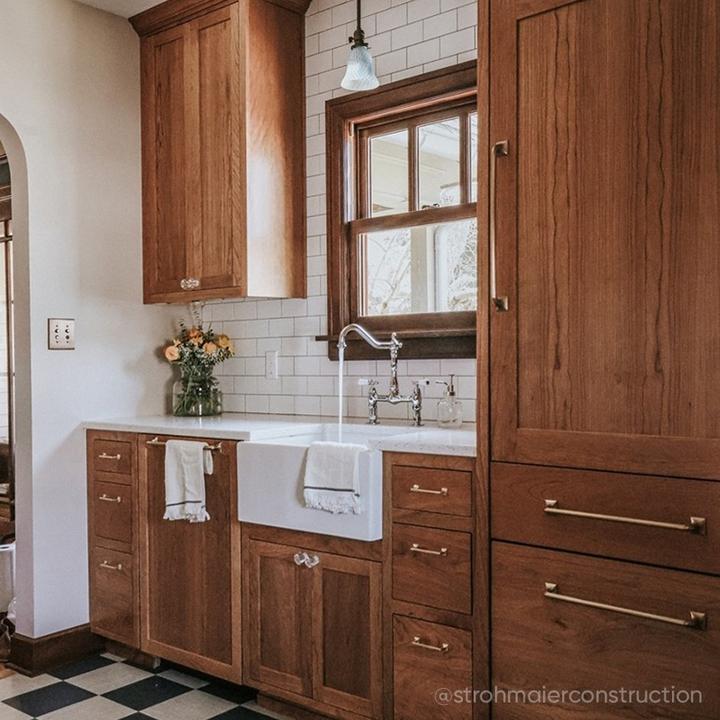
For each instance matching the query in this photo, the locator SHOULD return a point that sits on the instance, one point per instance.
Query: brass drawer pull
(697, 621)
(417, 489)
(415, 548)
(107, 498)
(499, 302)
(696, 525)
(107, 566)
(442, 648)
(105, 456)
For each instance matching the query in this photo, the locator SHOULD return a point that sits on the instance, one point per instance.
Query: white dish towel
(186, 464)
(332, 477)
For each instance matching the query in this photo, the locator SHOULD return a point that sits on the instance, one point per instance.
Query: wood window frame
(424, 335)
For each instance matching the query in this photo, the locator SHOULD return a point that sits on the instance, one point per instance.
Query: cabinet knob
(312, 560)
(300, 558)
(189, 284)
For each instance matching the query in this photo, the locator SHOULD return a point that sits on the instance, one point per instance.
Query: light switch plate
(61, 334)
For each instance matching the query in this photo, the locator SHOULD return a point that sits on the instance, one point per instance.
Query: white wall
(69, 96)
(406, 39)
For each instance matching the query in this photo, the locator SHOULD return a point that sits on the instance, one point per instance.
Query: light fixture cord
(358, 38)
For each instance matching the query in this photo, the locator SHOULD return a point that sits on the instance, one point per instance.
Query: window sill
(445, 345)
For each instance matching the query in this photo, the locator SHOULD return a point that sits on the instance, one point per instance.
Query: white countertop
(428, 439)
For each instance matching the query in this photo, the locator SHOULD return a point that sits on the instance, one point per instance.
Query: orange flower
(172, 353)
(223, 341)
(210, 348)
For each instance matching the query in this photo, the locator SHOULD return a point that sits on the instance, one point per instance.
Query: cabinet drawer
(648, 519)
(112, 596)
(112, 456)
(432, 490)
(112, 508)
(432, 567)
(427, 657)
(546, 634)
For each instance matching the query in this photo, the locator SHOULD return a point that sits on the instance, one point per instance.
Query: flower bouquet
(197, 352)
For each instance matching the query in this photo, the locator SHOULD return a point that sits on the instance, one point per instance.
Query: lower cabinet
(564, 621)
(190, 578)
(313, 627)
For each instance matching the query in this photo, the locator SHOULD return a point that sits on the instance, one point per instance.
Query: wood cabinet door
(190, 575)
(347, 617)
(215, 184)
(278, 615)
(192, 184)
(607, 206)
(166, 97)
(563, 622)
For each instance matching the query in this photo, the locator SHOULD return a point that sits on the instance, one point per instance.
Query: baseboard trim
(34, 656)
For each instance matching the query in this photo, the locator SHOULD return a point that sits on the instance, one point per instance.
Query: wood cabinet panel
(347, 595)
(429, 657)
(190, 574)
(113, 509)
(278, 612)
(113, 596)
(606, 242)
(541, 642)
(432, 490)
(432, 567)
(520, 494)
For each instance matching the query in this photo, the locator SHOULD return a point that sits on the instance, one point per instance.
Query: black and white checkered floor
(103, 687)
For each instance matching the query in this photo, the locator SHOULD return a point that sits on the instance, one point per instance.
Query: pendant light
(360, 73)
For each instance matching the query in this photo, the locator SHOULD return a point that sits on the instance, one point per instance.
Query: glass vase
(196, 395)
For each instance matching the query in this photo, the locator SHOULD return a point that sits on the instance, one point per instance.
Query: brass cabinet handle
(499, 149)
(442, 648)
(105, 564)
(417, 489)
(696, 525)
(697, 621)
(189, 284)
(107, 498)
(415, 548)
(105, 456)
(156, 442)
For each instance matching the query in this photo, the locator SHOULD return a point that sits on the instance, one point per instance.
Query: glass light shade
(360, 73)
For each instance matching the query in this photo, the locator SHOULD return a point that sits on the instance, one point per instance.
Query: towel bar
(157, 442)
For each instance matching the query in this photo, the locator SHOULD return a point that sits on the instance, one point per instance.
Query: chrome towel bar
(156, 442)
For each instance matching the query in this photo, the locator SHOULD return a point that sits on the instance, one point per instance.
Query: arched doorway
(15, 264)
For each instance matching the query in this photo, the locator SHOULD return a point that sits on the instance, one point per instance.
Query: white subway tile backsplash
(406, 37)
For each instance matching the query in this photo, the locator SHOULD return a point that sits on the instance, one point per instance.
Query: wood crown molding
(175, 12)
(34, 656)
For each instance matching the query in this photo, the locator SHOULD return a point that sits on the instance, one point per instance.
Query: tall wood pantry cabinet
(223, 149)
(604, 260)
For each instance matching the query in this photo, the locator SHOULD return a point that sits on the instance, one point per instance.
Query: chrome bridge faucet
(393, 396)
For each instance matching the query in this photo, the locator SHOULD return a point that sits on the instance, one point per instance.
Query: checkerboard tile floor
(105, 687)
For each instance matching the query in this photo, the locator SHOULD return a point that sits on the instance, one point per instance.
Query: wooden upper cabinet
(607, 208)
(223, 150)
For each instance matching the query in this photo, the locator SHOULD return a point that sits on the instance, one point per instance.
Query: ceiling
(124, 8)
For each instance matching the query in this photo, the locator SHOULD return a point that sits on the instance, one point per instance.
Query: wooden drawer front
(112, 456)
(541, 638)
(432, 490)
(432, 567)
(522, 495)
(428, 657)
(112, 596)
(112, 507)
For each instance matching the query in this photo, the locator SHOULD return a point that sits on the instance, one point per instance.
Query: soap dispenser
(450, 409)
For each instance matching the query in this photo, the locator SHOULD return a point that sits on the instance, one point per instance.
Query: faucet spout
(393, 344)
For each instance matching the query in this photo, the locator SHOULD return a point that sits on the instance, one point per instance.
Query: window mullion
(412, 167)
(465, 169)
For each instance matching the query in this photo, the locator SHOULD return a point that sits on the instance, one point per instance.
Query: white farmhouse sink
(270, 482)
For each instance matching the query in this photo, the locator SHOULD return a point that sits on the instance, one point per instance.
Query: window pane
(430, 268)
(389, 174)
(473, 156)
(439, 163)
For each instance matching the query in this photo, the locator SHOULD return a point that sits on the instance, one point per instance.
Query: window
(402, 214)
